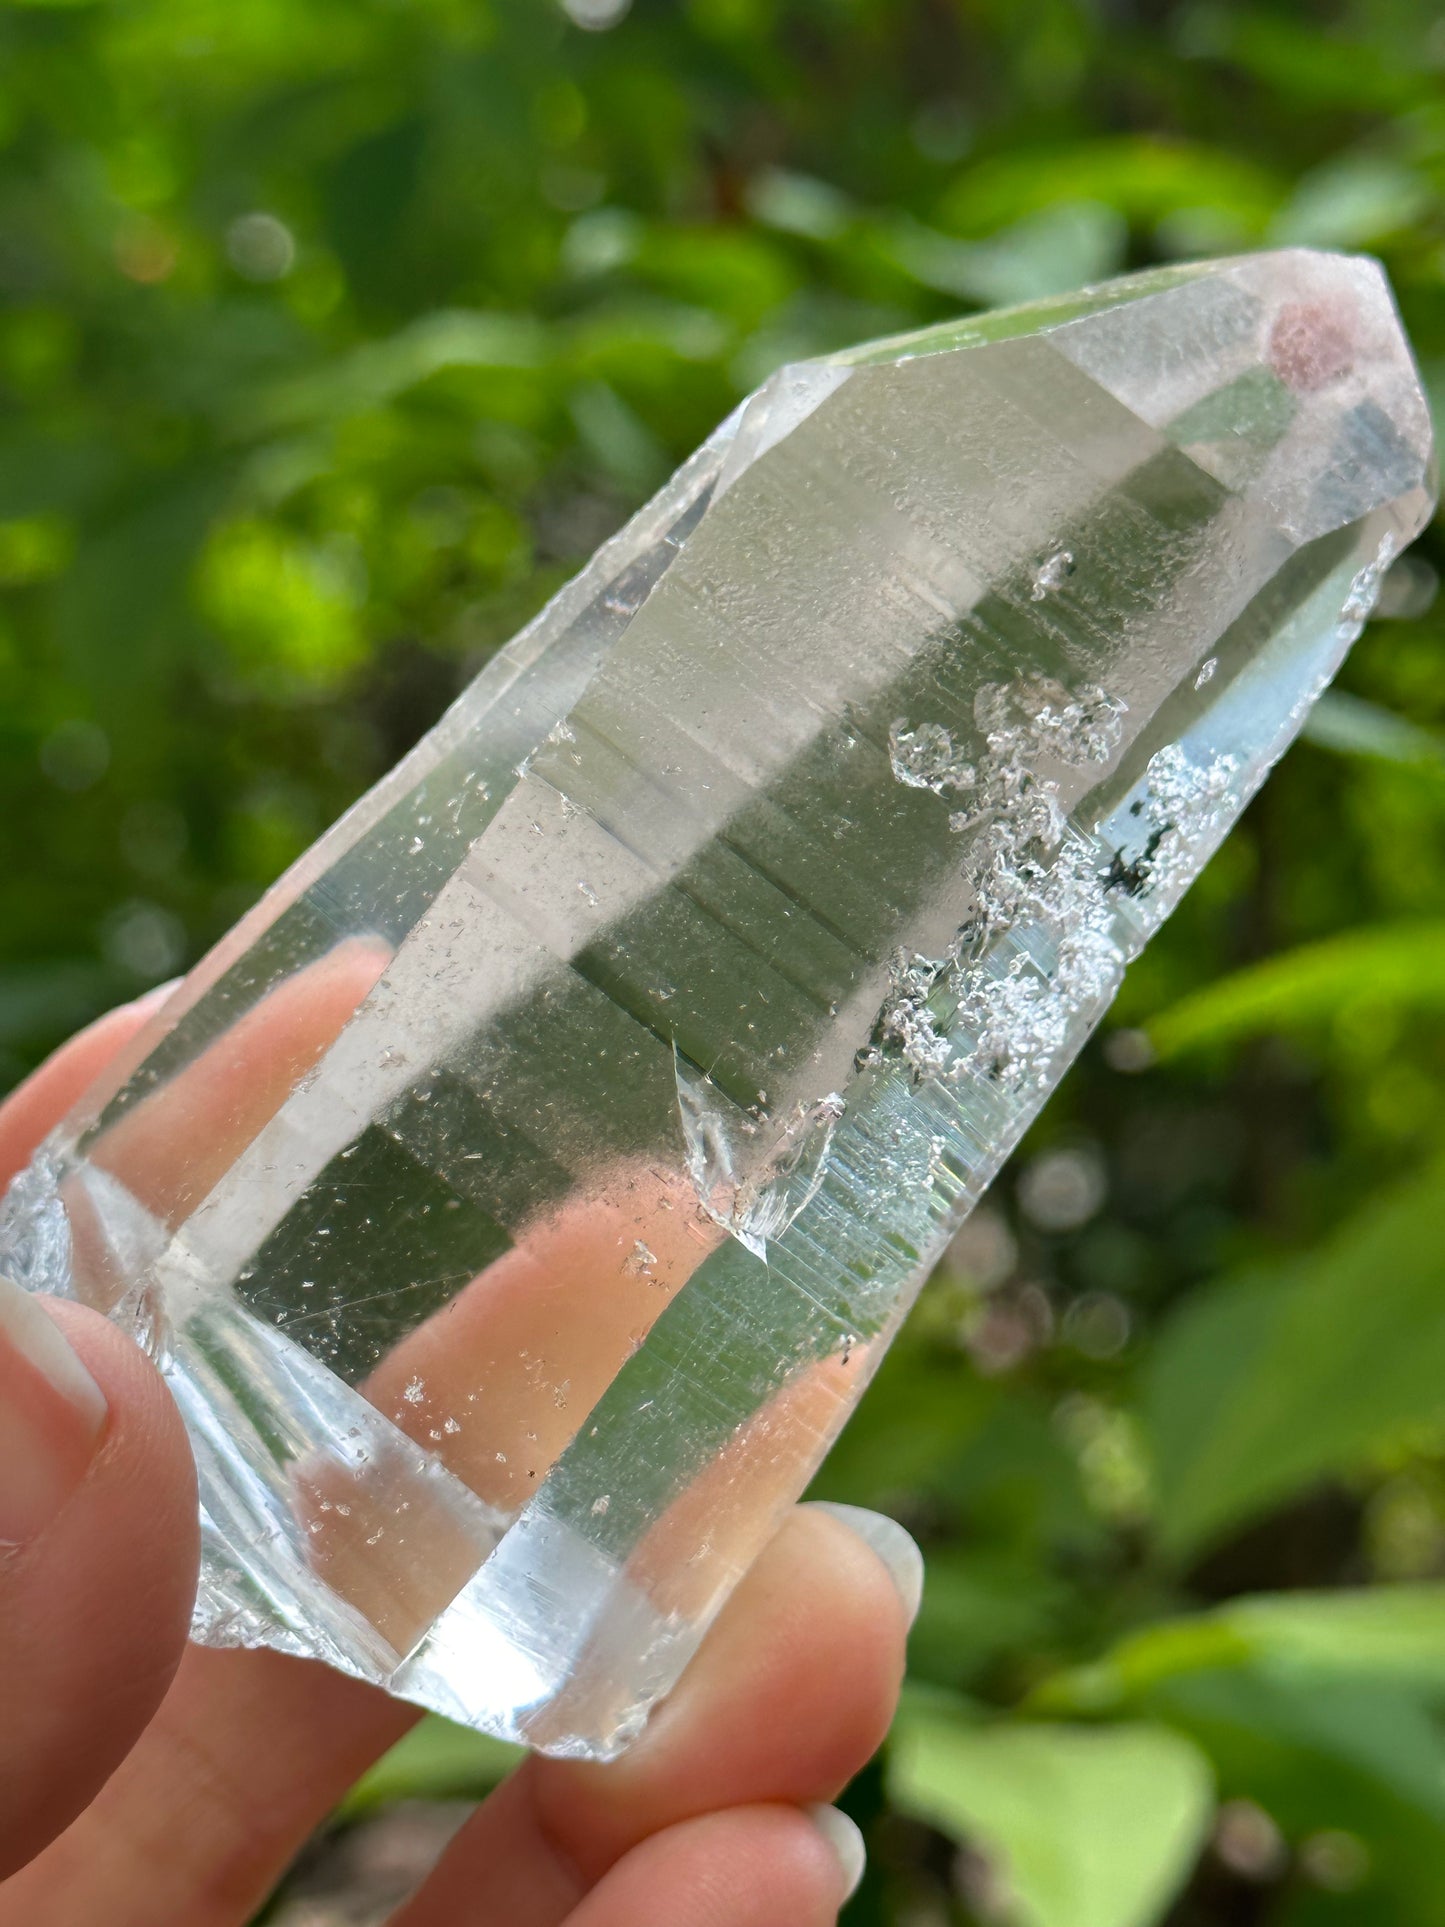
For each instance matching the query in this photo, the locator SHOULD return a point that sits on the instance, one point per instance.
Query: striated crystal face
(521, 1196)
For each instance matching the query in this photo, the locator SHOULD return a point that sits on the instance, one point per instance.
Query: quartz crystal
(520, 1197)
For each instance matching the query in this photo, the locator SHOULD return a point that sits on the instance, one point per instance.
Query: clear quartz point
(520, 1197)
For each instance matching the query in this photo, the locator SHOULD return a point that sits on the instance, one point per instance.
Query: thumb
(98, 1557)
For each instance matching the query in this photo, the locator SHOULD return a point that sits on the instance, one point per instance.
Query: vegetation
(336, 332)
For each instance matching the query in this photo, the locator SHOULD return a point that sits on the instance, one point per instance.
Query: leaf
(1320, 1707)
(437, 1760)
(1336, 1754)
(119, 609)
(378, 371)
(1049, 253)
(617, 439)
(1393, 1635)
(798, 204)
(1265, 1382)
(1142, 177)
(1088, 1827)
(1355, 727)
(982, 1604)
(1302, 65)
(1352, 201)
(1391, 1632)
(1398, 964)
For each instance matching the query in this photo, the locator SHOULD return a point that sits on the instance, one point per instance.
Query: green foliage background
(337, 332)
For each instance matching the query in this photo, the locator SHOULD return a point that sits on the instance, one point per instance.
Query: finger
(499, 1382)
(495, 1385)
(98, 1559)
(35, 1107)
(792, 1690)
(248, 1754)
(765, 1866)
(565, 1306)
(171, 1147)
(211, 1755)
(249, 1750)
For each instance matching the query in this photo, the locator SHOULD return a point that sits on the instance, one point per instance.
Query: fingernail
(845, 1843)
(150, 1001)
(896, 1548)
(51, 1414)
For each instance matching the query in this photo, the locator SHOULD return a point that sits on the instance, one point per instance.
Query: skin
(144, 1781)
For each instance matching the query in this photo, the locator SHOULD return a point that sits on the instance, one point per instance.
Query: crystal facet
(520, 1197)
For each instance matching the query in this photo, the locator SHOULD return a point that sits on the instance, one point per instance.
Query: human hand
(145, 1782)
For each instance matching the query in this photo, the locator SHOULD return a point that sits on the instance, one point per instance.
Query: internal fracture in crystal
(521, 1196)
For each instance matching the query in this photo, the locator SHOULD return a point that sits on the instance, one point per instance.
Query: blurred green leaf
(1359, 728)
(1144, 178)
(1061, 248)
(619, 440)
(1084, 1827)
(1391, 1635)
(982, 1604)
(1354, 201)
(1365, 1759)
(1320, 1707)
(1294, 59)
(379, 371)
(120, 607)
(1262, 1383)
(1398, 965)
(436, 1761)
(798, 204)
